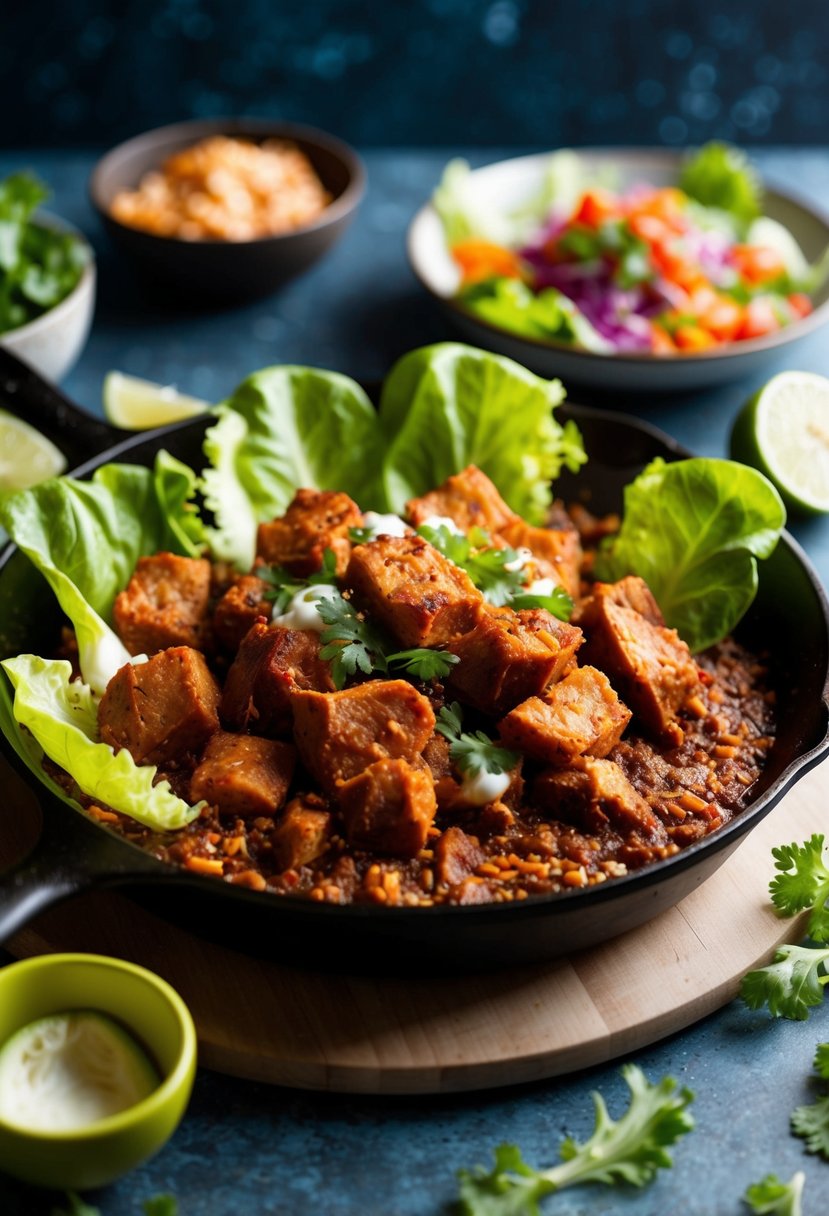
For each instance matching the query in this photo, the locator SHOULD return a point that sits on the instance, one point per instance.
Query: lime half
(783, 431)
(26, 456)
(138, 405)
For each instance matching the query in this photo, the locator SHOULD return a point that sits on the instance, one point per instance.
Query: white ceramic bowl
(510, 183)
(53, 342)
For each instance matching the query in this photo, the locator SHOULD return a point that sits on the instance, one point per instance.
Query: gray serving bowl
(228, 270)
(508, 184)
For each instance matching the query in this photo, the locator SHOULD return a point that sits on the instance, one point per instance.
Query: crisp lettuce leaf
(85, 538)
(462, 212)
(62, 716)
(693, 530)
(176, 485)
(302, 428)
(547, 314)
(721, 176)
(446, 406)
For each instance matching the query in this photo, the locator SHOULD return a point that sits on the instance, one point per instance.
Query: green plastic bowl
(160, 1022)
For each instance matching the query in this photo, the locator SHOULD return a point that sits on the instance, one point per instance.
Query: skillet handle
(77, 433)
(72, 855)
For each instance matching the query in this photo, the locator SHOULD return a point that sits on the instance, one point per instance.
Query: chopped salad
(664, 270)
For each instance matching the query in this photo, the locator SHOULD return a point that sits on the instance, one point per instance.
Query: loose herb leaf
(791, 985)
(631, 1149)
(472, 753)
(361, 536)
(425, 664)
(350, 642)
(803, 882)
(771, 1197)
(76, 1207)
(558, 603)
(821, 1062)
(811, 1123)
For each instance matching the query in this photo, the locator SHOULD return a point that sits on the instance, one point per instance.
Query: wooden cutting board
(273, 1023)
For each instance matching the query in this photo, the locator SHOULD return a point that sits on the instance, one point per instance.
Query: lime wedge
(783, 430)
(139, 405)
(66, 1071)
(26, 456)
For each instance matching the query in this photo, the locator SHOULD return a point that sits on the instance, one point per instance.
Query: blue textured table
(248, 1148)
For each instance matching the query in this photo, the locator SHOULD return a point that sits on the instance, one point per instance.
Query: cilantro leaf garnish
(631, 1149)
(425, 664)
(811, 1122)
(472, 753)
(361, 536)
(802, 882)
(283, 586)
(790, 985)
(487, 567)
(771, 1197)
(558, 603)
(351, 643)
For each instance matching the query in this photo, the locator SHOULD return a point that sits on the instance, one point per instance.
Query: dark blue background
(421, 72)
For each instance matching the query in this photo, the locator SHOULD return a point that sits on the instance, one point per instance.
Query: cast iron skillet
(790, 617)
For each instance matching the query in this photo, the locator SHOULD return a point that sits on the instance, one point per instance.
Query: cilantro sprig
(631, 1149)
(795, 980)
(354, 644)
(424, 664)
(811, 1122)
(472, 753)
(771, 1197)
(283, 586)
(489, 569)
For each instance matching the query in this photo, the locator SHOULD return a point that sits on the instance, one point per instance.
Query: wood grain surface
(274, 1023)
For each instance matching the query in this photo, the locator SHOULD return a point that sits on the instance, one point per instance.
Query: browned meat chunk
(339, 734)
(238, 610)
(243, 775)
(270, 665)
(302, 833)
(504, 660)
(414, 591)
(436, 756)
(649, 664)
(469, 499)
(593, 792)
(456, 856)
(315, 521)
(388, 808)
(164, 604)
(560, 547)
(581, 714)
(163, 710)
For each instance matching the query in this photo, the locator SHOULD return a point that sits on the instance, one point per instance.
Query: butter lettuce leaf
(62, 716)
(720, 175)
(293, 427)
(85, 538)
(693, 530)
(446, 406)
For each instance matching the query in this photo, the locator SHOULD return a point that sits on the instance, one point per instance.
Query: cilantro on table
(283, 586)
(39, 266)
(156, 1205)
(811, 1122)
(489, 569)
(631, 1149)
(472, 753)
(771, 1197)
(795, 980)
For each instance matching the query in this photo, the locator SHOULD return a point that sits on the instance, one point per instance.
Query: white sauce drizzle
(541, 586)
(442, 521)
(484, 787)
(385, 525)
(301, 612)
(523, 556)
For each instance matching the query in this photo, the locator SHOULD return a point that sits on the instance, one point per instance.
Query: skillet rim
(154, 871)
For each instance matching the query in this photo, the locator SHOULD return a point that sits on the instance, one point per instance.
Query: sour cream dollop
(484, 787)
(442, 521)
(541, 586)
(384, 525)
(302, 611)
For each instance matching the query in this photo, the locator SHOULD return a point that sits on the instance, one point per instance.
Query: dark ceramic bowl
(228, 270)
